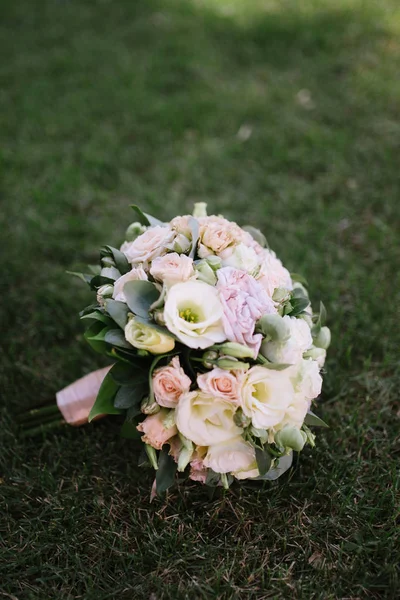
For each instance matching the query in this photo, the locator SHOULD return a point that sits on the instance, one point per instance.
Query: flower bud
(200, 209)
(281, 295)
(240, 419)
(185, 454)
(323, 338)
(181, 244)
(152, 454)
(169, 420)
(145, 337)
(291, 437)
(205, 273)
(214, 261)
(149, 406)
(134, 230)
(208, 356)
(104, 292)
(231, 364)
(318, 354)
(262, 434)
(236, 350)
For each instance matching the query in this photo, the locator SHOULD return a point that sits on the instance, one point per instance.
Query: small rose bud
(151, 453)
(205, 273)
(149, 406)
(208, 356)
(291, 437)
(236, 350)
(134, 230)
(200, 209)
(231, 364)
(323, 338)
(104, 292)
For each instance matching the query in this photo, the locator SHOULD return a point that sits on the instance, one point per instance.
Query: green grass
(104, 103)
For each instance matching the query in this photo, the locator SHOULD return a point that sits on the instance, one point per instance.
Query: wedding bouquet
(217, 352)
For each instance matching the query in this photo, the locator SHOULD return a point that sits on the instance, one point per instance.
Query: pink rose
(216, 234)
(154, 430)
(244, 302)
(152, 243)
(225, 384)
(172, 268)
(133, 275)
(169, 383)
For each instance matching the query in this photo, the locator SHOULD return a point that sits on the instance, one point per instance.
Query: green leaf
(118, 311)
(116, 337)
(299, 278)
(95, 269)
(98, 280)
(104, 404)
(120, 260)
(86, 277)
(264, 461)
(97, 316)
(165, 475)
(95, 336)
(128, 374)
(140, 295)
(195, 230)
(298, 305)
(212, 478)
(312, 419)
(129, 431)
(256, 234)
(321, 320)
(129, 396)
(145, 219)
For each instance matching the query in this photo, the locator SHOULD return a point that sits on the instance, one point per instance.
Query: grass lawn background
(283, 114)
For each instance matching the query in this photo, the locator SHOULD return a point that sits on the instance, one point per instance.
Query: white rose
(289, 351)
(266, 396)
(133, 275)
(172, 268)
(272, 273)
(233, 456)
(240, 257)
(205, 419)
(193, 312)
(144, 337)
(152, 243)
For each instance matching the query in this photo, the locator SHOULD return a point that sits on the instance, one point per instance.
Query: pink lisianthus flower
(155, 433)
(244, 302)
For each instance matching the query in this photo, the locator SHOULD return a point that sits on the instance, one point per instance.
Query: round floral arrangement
(217, 351)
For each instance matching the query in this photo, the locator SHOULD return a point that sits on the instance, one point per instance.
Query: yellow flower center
(189, 315)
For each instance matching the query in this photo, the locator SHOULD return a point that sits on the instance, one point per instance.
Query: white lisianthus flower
(240, 257)
(152, 243)
(193, 312)
(266, 396)
(317, 354)
(233, 456)
(135, 274)
(272, 273)
(206, 419)
(172, 268)
(306, 379)
(289, 351)
(144, 337)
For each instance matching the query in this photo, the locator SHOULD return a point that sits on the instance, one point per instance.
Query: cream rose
(266, 396)
(234, 456)
(216, 234)
(272, 273)
(193, 312)
(240, 257)
(290, 350)
(169, 383)
(173, 268)
(135, 274)
(145, 337)
(206, 419)
(155, 432)
(221, 383)
(148, 246)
